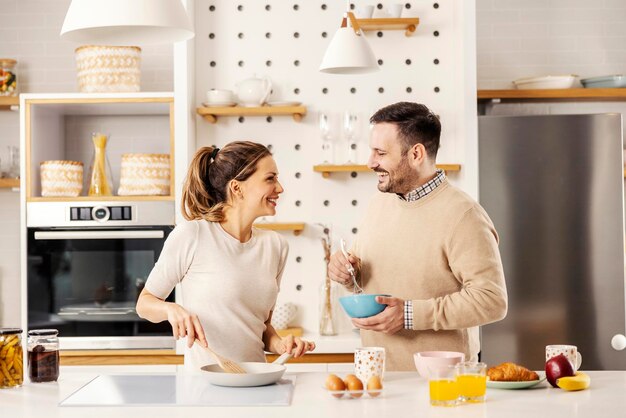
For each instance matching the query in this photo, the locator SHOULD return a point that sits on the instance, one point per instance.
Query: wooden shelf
(407, 24)
(7, 101)
(99, 198)
(297, 228)
(554, 94)
(9, 183)
(211, 113)
(327, 169)
(134, 357)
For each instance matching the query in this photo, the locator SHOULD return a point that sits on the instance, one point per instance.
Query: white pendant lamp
(126, 22)
(349, 52)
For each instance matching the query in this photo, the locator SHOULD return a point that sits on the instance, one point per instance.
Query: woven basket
(61, 178)
(106, 69)
(145, 175)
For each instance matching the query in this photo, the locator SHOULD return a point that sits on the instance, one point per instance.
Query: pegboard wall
(286, 40)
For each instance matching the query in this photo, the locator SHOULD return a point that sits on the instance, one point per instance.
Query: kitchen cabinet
(327, 169)
(210, 114)
(57, 127)
(169, 357)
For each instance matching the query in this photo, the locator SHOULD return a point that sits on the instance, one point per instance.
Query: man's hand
(389, 321)
(338, 268)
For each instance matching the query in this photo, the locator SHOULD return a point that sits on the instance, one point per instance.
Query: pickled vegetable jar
(8, 77)
(43, 355)
(11, 358)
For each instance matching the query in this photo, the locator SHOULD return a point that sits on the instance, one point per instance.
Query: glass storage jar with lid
(8, 77)
(11, 358)
(43, 355)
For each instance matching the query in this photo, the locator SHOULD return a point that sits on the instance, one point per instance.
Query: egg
(335, 384)
(349, 378)
(354, 385)
(374, 386)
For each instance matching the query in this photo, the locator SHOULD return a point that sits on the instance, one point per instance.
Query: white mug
(569, 351)
(368, 362)
(219, 96)
(395, 10)
(364, 12)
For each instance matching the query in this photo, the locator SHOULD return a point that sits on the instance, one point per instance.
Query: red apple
(558, 367)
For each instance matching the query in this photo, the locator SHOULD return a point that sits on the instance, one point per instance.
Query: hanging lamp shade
(348, 51)
(126, 22)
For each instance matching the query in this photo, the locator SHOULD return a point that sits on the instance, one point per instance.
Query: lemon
(579, 381)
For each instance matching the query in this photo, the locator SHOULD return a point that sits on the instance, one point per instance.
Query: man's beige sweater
(441, 252)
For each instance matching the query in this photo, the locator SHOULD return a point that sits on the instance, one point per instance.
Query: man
(426, 243)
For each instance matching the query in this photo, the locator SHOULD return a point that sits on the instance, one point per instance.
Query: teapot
(253, 91)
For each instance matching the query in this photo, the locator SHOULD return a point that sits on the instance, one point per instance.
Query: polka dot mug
(569, 351)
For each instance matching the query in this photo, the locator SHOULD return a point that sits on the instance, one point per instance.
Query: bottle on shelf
(100, 183)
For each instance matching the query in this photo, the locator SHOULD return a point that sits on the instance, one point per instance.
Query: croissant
(511, 372)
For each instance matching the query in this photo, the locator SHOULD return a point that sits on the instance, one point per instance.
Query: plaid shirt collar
(425, 189)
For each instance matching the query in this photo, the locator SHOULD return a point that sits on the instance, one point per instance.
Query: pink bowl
(427, 361)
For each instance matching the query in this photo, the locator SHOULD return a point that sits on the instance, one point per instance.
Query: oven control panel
(101, 213)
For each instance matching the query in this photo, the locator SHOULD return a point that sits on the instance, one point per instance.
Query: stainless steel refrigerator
(554, 189)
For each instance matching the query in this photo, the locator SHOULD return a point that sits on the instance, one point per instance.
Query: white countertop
(340, 343)
(405, 394)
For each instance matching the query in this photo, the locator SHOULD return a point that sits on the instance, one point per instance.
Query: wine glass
(326, 133)
(350, 125)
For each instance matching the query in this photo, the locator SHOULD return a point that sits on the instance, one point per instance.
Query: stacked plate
(546, 82)
(607, 81)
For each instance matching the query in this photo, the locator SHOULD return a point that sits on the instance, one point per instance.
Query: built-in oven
(87, 263)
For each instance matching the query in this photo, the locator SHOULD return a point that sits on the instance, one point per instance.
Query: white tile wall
(29, 33)
(525, 38)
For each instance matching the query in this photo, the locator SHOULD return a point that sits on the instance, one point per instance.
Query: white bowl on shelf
(546, 82)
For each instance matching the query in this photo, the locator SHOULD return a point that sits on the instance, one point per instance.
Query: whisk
(356, 289)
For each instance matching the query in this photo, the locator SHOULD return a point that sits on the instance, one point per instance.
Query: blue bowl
(361, 305)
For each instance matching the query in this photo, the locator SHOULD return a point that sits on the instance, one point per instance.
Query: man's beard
(399, 182)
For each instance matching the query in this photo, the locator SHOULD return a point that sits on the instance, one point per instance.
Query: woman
(229, 271)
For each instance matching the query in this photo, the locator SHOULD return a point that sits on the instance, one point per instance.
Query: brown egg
(354, 385)
(374, 386)
(348, 378)
(335, 384)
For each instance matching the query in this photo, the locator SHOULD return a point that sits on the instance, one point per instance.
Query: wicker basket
(106, 69)
(61, 178)
(145, 175)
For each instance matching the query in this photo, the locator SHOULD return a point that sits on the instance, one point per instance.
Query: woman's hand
(293, 345)
(185, 324)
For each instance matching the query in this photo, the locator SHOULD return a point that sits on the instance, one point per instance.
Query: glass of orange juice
(443, 386)
(471, 379)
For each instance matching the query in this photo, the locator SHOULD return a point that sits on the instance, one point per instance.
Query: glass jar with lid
(8, 77)
(43, 355)
(11, 358)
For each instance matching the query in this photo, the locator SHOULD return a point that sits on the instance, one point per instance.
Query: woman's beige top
(231, 286)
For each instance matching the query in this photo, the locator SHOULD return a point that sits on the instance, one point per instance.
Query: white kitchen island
(405, 394)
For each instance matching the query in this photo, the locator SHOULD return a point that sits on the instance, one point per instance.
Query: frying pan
(257, 373)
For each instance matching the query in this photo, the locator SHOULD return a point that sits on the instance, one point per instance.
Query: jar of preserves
(43, 355)
(11, 358)
(8, 77)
